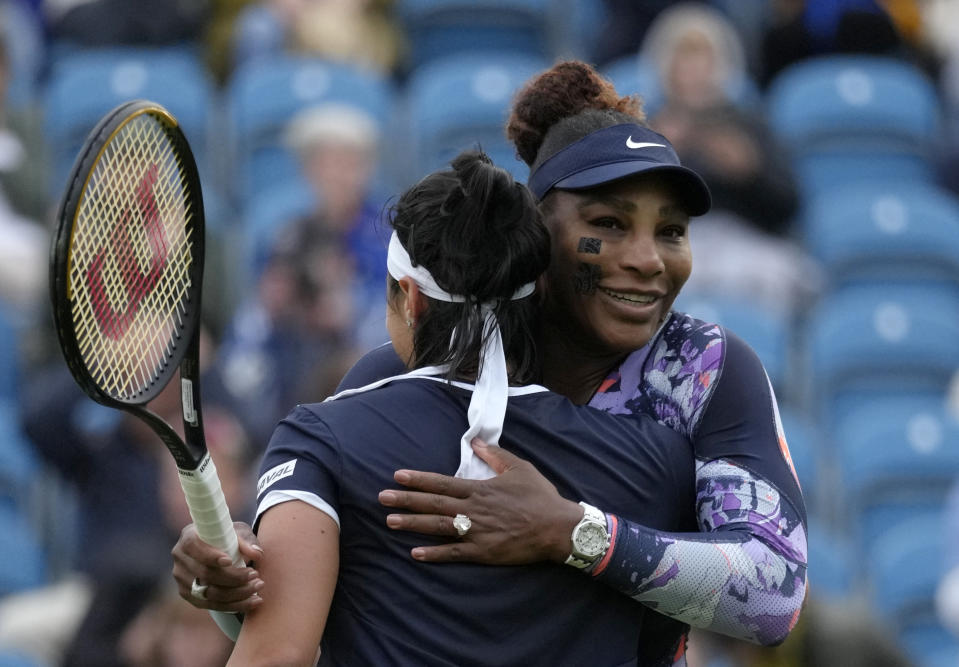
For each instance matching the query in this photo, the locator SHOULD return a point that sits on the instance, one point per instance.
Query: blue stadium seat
(856, 118)
(22, 551)
(438, 28)
(898, 460)
(806, 448)
(9, 359)
(905, 567)
(24, 39)
(12, 658)
(462, 101)
(944, 651)
(264, 95)
(833, 571)
(90, 82)
(20, 466)
(767, 333)
(866, 341)
(891, 231)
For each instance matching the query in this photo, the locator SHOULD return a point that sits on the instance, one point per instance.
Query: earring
(409, 324)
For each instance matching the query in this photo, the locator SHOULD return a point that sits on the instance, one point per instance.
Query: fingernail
(476, 442)
(253, 575)
(257, 547)
(401, 476)
(387, 497)
(393, 520)
(418, 554)
(224, 561)
(258, 584)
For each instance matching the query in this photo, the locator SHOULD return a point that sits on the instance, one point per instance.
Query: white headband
(487, 407)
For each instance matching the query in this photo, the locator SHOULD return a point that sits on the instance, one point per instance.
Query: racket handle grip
(208, 507)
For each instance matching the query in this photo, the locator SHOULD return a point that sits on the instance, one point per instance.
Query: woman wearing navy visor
(616, 202)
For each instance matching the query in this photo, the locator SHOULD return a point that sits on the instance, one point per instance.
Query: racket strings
(131, 254)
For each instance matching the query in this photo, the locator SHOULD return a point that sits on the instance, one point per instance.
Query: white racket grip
(208, 507)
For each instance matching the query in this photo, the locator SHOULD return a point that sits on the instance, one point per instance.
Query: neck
(572, 369)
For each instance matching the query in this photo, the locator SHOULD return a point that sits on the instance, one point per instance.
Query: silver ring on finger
(462, 524)
(197, 590)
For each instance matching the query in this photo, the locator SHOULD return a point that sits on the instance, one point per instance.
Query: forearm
(743, 576)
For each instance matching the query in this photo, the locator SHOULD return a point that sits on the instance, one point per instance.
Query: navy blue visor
(616, 152)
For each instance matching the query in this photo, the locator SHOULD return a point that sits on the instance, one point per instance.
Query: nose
(642, 255)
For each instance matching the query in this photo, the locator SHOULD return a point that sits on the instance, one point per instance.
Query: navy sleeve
(741, 424)
(302, 462)
(377, 364)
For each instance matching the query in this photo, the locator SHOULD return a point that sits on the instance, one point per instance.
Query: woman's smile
(621, 255)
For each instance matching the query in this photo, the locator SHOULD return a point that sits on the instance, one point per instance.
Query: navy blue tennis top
(389, 609)
(684, 452)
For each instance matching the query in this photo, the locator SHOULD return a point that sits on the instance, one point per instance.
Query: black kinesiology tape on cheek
(586, 278)
(589, 245)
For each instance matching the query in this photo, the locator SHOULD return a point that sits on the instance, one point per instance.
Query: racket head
(127, 256)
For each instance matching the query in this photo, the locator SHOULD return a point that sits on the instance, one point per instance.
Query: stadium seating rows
(865, 371)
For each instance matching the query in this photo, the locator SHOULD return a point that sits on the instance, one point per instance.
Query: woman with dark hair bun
(468, 245)
(711, 531)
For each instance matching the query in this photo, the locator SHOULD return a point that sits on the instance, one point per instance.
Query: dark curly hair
(479, 233)
(564, 104)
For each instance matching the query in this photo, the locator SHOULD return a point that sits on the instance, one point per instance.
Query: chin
(624, 342)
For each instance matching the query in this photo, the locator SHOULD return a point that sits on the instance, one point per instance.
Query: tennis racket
(126, 276)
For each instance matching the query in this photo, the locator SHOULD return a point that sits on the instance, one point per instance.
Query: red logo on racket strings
(136, 282)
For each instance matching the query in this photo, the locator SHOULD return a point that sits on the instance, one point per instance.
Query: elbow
(776, 628)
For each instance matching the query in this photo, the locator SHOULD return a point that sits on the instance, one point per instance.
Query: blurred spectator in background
(108, 458)
(135, 583)
(283, 343)
(115, 22)
(169, 633)
(941, 35)
(319, 297)
(165, 632)
(337, 147)
(361, 32)
(130, 506)
(699, 56)
(624, 26)
(742, 246)
(218, 36)
(24, 241)
(801, 29)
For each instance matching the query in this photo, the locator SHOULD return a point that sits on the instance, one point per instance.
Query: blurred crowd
(89, 502)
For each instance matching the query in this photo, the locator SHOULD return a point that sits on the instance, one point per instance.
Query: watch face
(591, 540)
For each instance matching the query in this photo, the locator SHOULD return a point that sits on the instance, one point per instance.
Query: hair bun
(476, 229)
(565, 90)
(493, 223)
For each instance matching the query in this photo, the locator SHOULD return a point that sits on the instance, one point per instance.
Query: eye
(674, 231)
(606, 222)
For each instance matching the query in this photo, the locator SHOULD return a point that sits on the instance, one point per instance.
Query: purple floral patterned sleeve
(744, 573)
(743, 576)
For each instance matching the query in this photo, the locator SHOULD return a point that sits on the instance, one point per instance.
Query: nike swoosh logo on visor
(641, 144)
